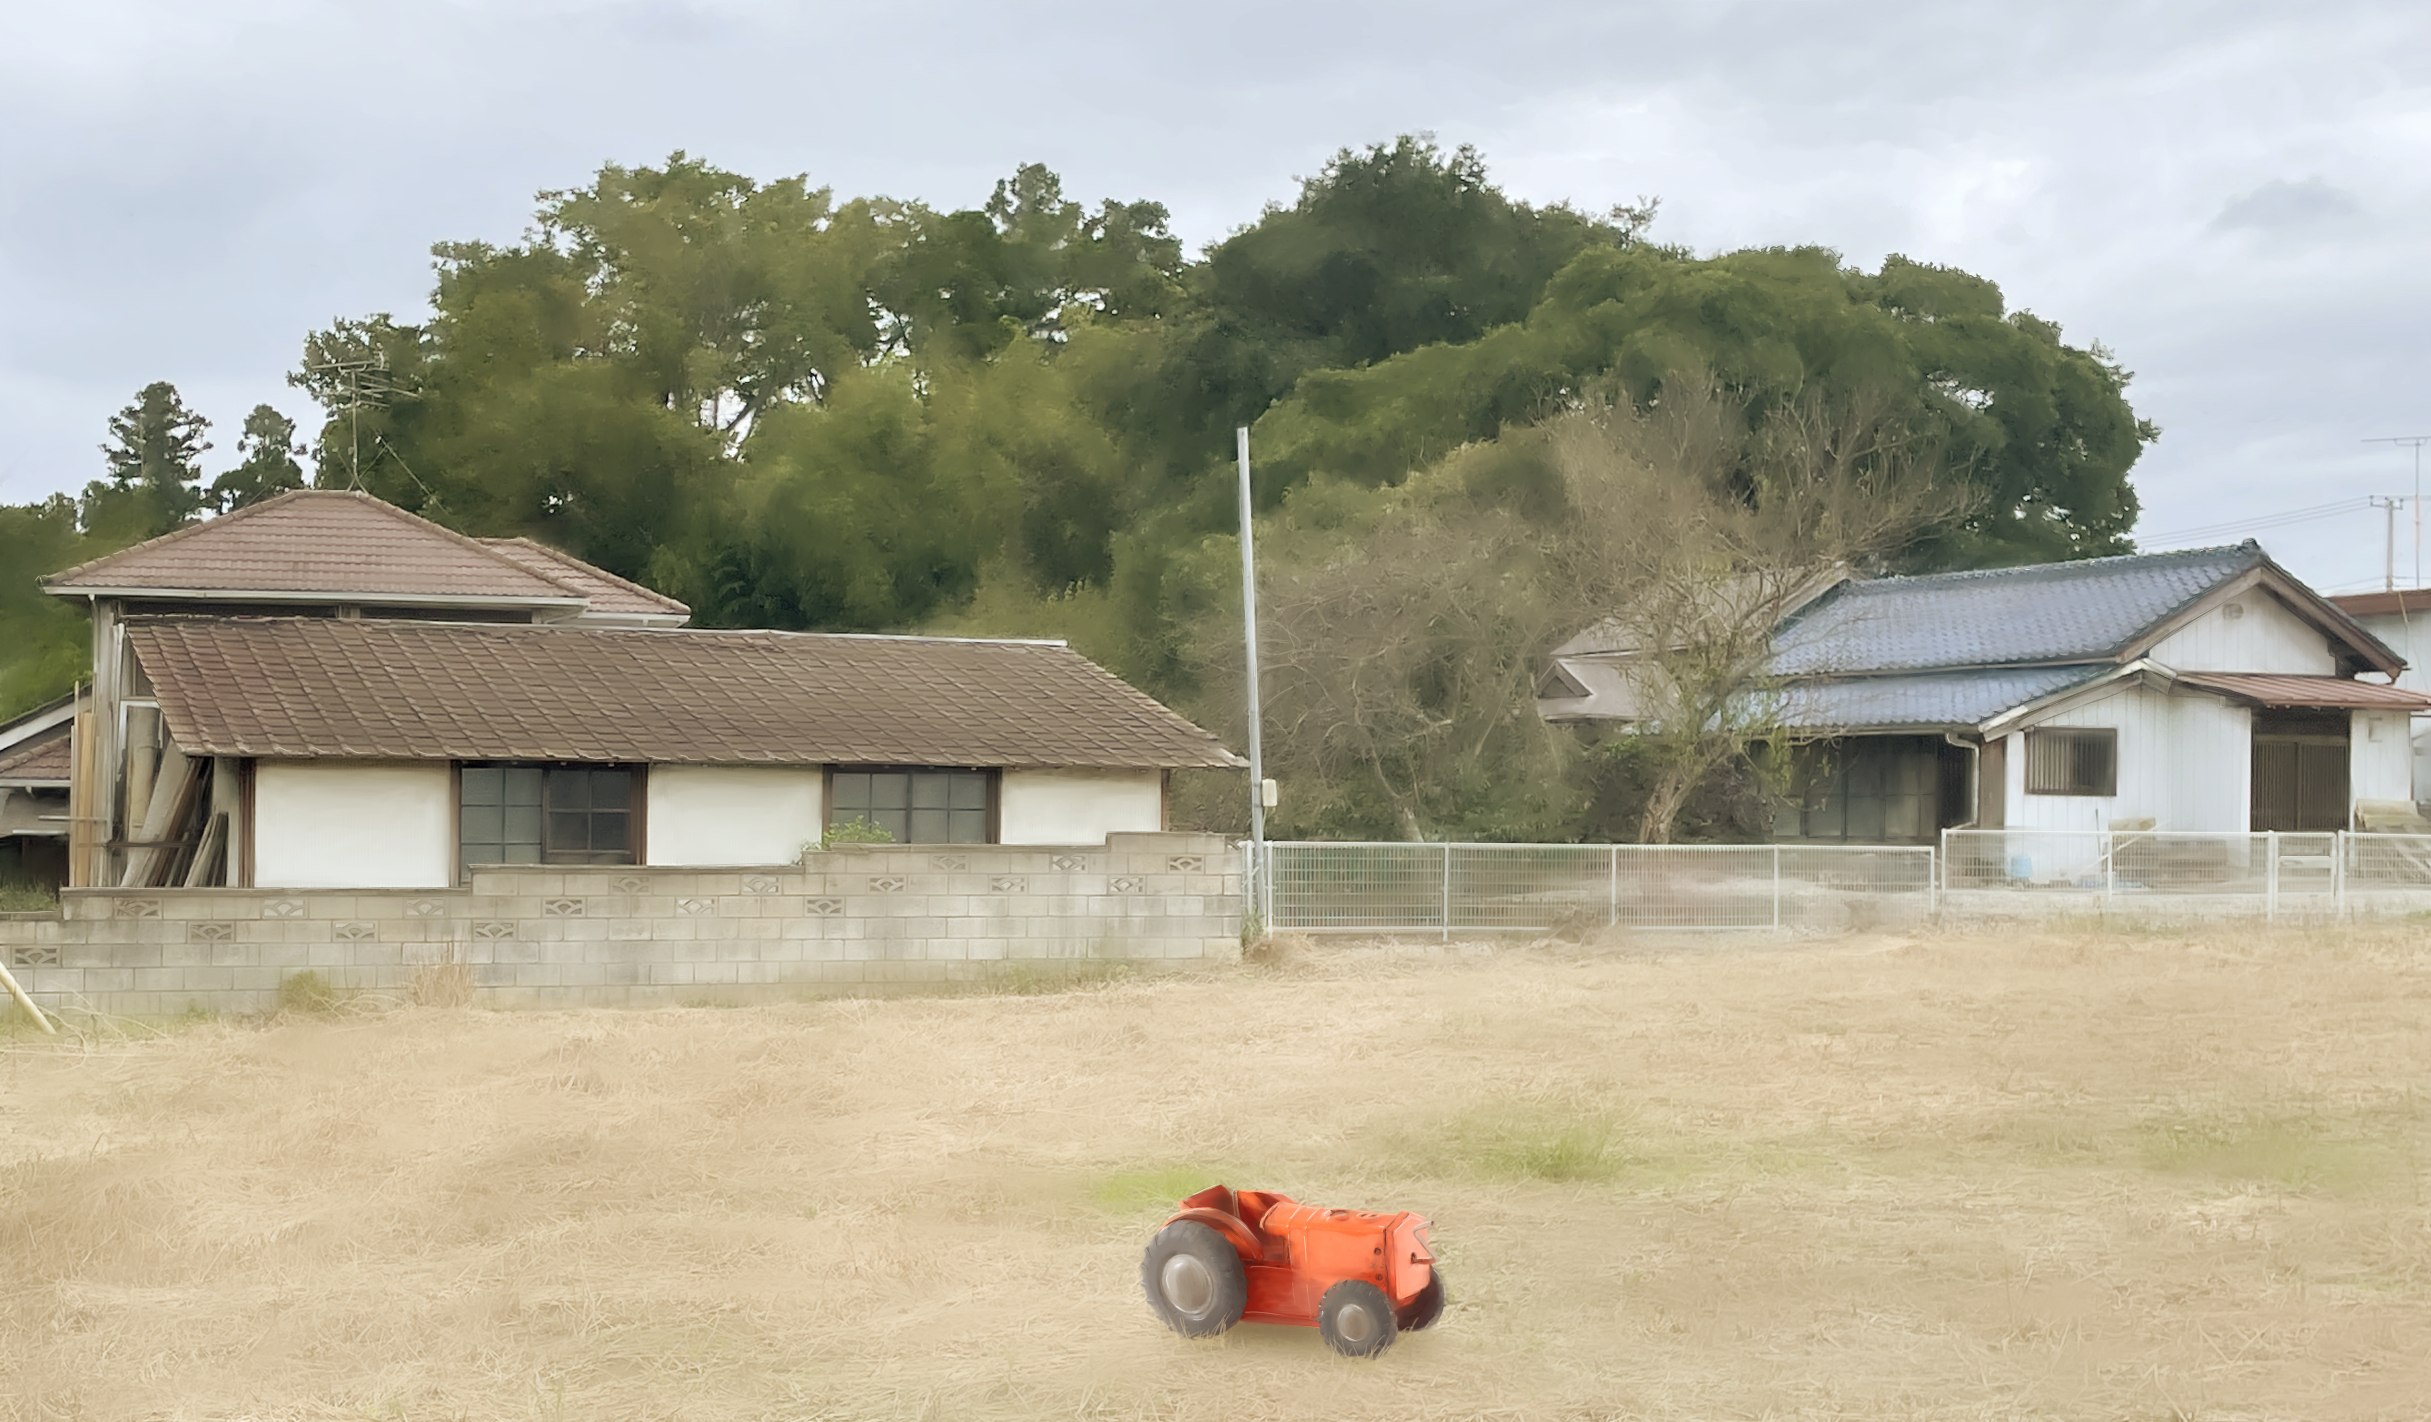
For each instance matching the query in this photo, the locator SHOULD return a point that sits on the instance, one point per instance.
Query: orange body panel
(1292, 1253)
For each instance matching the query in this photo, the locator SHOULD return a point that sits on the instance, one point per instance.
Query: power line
(2258, 522)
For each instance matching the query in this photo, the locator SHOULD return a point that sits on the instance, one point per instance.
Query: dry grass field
(2068, 1175)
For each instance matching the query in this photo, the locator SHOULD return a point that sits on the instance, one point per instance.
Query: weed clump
(307, 991)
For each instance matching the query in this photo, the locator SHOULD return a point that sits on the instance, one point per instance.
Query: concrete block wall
(859, 918)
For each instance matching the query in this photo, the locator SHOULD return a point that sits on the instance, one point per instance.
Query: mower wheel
(1194, 1280)
(1356, 1319)
(1427, 1307)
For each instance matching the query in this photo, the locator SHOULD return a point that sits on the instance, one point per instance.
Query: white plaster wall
(2380, 756)
(2185, 763)
(2212, 786)
(353, 825)
(733, 814)
(2268, 637)
(2409, 637)
(1078, 806)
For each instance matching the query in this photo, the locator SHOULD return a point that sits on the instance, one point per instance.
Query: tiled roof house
(324, 690)
(2197, 690)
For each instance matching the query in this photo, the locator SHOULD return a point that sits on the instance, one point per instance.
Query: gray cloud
(191, 185)
(2282, 206)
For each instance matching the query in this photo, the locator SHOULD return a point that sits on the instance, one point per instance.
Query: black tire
(1356, 1319)
(1426, 1308)
(1193, 1279)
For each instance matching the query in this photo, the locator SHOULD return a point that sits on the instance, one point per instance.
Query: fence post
(2339, 845)
(2110, 869)
(2270, 877)
(1447, 891)
(1776, 886)
(1612, 919)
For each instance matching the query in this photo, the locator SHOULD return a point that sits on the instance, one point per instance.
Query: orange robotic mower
(1359, 1278)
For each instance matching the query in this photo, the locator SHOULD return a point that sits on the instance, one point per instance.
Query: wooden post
(81, 797)
(26, 1002)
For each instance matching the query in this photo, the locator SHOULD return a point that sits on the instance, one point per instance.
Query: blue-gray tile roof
(2053, 612)
(1925, 700)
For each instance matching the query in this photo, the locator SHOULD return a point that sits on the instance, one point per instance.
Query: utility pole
(2388, 552)
(2415, 443)
(1249, 637)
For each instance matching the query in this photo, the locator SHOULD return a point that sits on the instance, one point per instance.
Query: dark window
(916, 806)
(2072, 761)
(1865, 790)
(548, 814)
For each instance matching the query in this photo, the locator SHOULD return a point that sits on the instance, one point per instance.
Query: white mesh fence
(1466, 888)
(2003, 873)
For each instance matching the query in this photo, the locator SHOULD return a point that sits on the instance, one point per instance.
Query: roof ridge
(182, 531)
(373, 501)
(412, 518)
(428, 624)
(555, 552)
(2248, 548)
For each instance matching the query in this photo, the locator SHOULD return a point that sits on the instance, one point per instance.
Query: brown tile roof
(607, 592)
(44, 764)
(307, 687)
(2326, 691)
(339, 542)
(2407, 601)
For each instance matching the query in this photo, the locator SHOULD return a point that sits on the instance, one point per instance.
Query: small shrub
(26, 896)
(306, 991)
(855, 832)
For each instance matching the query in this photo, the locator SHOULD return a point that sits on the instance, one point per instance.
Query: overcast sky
(2230, 196)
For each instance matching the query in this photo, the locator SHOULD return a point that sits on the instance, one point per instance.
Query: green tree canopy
(155, 469)
(267, 466)
(2042, 428)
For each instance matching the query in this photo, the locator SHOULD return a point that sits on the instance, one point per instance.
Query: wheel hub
(1188, 1284)
(1355, 1325)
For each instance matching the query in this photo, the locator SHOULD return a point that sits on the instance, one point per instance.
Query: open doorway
(2300, 771)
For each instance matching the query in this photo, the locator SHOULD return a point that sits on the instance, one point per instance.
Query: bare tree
(1403, 630)
(1697, 529)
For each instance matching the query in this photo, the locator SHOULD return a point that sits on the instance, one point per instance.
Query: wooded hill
(795, 409)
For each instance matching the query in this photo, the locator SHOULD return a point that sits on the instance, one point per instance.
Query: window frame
(2043, 744)
(995, 793)
(637, 812)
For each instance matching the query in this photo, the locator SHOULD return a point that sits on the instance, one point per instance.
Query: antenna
(2415, 443)
(367, 386)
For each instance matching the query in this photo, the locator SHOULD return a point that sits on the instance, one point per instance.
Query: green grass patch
(2294, 1152)
(1132, 1192)
(1536, 1141)
(26, 896)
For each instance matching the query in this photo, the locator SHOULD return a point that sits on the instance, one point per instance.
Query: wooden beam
(25, 1002)
(170, 793)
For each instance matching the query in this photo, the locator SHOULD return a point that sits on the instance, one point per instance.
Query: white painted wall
(2265, 636)
(1078, 806)
(2185, 763)
(2380, 756)
(353, 825)
(2411, 639)
(733, 814)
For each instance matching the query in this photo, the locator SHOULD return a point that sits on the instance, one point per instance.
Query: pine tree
(154, 456)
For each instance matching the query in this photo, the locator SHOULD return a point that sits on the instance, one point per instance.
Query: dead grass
(2068, 1175)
